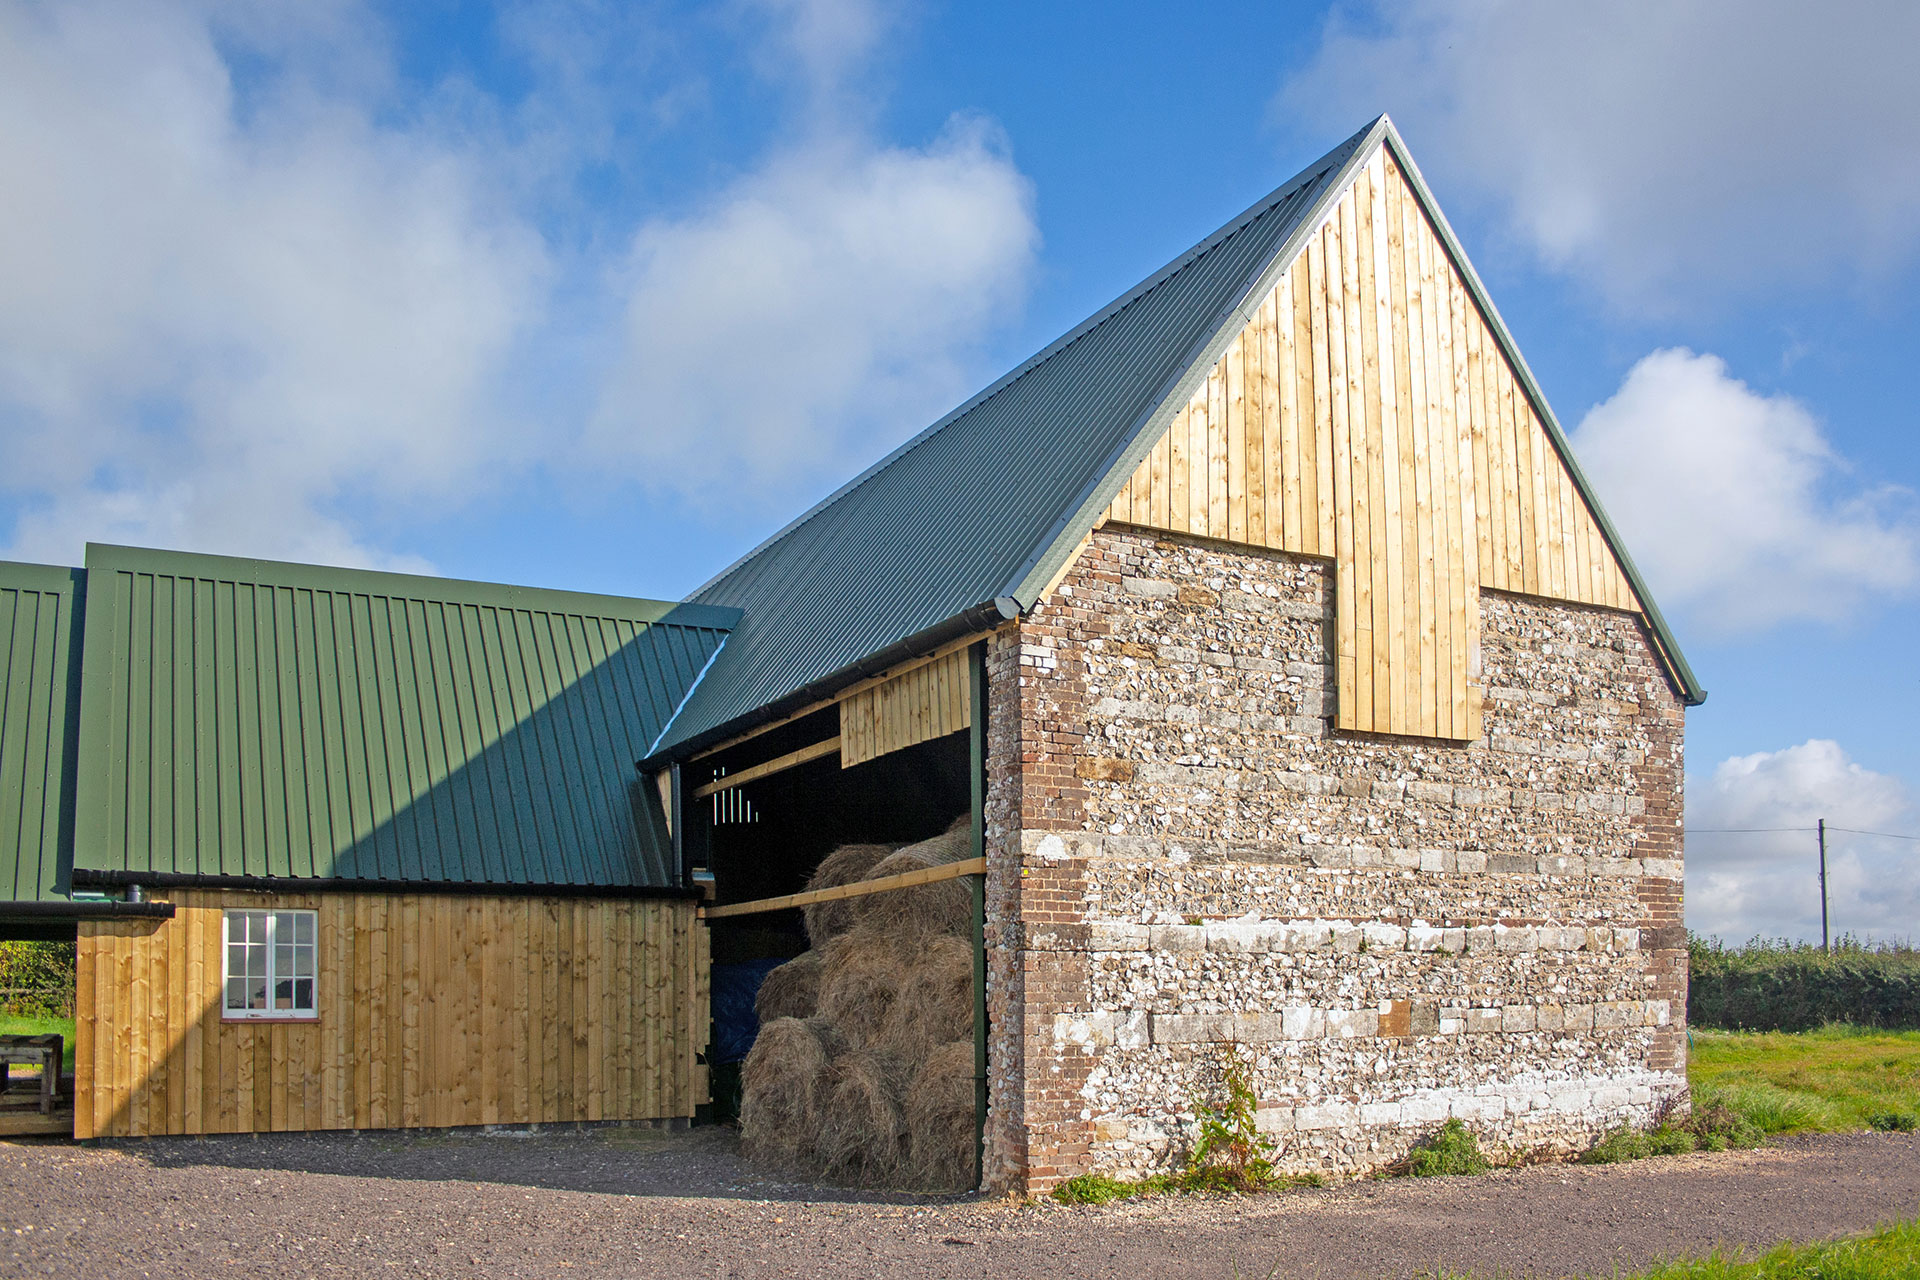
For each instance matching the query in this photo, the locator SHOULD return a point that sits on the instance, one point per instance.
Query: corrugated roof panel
(39, 710)
(247, 718)
(956, 517)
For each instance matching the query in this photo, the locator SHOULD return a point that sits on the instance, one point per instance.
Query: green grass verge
(1890, 1253)
(1098, 1188)
(12, 1025)
(1834, 1079)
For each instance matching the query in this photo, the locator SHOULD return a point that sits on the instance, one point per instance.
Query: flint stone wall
(1187, 862)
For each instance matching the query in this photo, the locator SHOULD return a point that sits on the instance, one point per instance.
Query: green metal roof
(242, 718)
(39, 707)
(969, 511)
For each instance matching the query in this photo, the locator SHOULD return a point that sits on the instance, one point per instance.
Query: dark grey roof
(973, 508)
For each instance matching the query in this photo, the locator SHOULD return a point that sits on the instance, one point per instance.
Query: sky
(598, 295)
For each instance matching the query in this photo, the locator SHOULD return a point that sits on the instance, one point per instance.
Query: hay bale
(790, 991)
(850, 862)
(925, 910)
(941, 1121)
(863, 1132)
(859, 979)
(783, 1089)
(935, 1003)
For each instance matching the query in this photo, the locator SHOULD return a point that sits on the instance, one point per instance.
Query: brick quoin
(1187, 863)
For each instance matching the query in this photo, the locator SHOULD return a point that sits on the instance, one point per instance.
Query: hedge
(36, 979)
(1786, 986)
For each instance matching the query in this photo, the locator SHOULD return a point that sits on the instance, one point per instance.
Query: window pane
(303, 927)
(303, 994)
(283, 993)
(256, 960)
(303, 960)
(256, 993)
(236, 993)
(236, 959)
(283, 959)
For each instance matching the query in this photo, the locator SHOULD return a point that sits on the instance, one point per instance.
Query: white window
(270, 964)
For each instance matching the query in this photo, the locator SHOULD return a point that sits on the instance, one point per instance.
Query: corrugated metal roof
(248, 718)
(973, 508)
(39, 706)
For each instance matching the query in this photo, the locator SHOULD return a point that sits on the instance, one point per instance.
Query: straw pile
(863, 1071)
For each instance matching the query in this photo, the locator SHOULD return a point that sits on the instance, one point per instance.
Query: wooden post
(1826, 944)
(977, 740)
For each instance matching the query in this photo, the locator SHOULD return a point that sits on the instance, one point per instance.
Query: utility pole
(1825, 944)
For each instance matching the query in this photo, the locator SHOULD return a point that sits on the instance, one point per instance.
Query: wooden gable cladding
(1366, 412)
(919, 705)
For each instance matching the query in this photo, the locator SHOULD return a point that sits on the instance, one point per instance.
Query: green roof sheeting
(987, 504)
(248, 718)
(39, 705)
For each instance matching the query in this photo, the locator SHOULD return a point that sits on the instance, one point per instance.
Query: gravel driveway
(644, 1203)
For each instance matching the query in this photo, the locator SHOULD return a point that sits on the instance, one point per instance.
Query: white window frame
(276, 953)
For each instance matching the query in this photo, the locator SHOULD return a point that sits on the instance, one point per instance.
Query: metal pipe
(1825, 944)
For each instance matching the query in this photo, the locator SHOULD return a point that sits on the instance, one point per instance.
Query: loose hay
(862, 975)
(862, 1135)
(940, 1120)
(925, 910)
(783, 1089)
(790, 991)
(935, 1002)
(848, 863)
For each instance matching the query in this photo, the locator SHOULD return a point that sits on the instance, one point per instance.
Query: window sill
(244, 1020)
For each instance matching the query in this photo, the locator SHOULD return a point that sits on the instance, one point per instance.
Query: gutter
(343, 884)
(106, 910)
(988, 615)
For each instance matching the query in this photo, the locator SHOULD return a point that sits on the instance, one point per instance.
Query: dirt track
(653, 1204)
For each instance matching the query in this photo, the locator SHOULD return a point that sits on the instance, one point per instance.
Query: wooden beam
(830, 747)
(858, 889)
(899, 668)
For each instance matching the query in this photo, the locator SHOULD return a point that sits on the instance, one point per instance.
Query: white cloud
(1661, 152)
(266, 312)
(820, 309)
(222, 319)
(1735, 505)
(1752, 881)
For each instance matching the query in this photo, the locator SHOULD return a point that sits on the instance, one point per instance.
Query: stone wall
(1187, 863)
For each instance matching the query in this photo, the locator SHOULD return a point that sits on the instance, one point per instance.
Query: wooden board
(922, 703)
(1367, 413)
(434, 1010)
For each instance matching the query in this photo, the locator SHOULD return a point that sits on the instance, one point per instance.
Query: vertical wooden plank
(1230, 499)
(1329, 403)
(1316, 413)
(1179, 471)
(1466, 582)
(412, 1013)
(1444, 508)
(1260, 402)
(1384, 406)
(1284, 448)
(86, 1021)
(1524, 573)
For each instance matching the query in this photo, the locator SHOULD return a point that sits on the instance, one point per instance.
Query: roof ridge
(1286, 190)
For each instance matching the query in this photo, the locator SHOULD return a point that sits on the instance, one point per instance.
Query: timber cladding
(1367, 413)
(434, 1010)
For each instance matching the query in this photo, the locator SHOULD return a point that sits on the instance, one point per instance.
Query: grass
(1835, 1079)
(1891, 1253)
(14, 1025)
(1452, 1149)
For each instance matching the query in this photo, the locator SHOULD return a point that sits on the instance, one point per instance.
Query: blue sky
(598, 295)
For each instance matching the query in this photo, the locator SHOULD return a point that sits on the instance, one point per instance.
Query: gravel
(650, 1203)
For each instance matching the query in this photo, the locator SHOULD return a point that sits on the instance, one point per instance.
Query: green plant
(1787, 986)
(1095, 1188)
(1450, 1149)
(36, 979)
(1231, 1153)
(1894, 1121)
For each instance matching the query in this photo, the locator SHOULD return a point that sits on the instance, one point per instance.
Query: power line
(1729, 831)
(1885, 835)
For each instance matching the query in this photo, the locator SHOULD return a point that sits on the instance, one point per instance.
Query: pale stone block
(1349, 1024)
(1452, 1026)
(1550, 1017)
(1273, 1119)
(1482, 938)
(1470, 861)
(1384, 937)
(1301, 1022)
(1425, 938)
(1579, 1017)
(1658, 1013)
(1479, 1107)
(1482, 1021)
(1381, 1114)
(1325, 1115)
(1626, 939)
(1430, 792)
(1424, 1109)
(1151, 588)
(1517, 1017)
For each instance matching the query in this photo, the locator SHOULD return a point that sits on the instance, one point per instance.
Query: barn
(1305, 710)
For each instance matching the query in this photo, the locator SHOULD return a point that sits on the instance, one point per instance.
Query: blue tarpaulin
(735, 1024)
